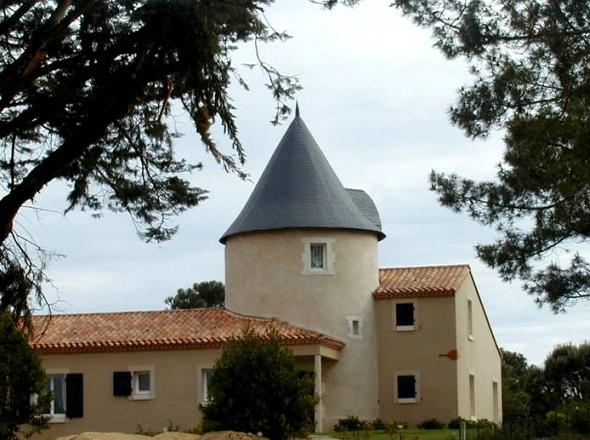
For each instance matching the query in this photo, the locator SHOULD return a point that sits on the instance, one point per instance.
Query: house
(401, 344)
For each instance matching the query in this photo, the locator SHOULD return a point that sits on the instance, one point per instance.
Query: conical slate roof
(299, 189)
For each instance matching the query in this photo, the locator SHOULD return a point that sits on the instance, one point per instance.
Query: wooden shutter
(74, 395)
(122, 383)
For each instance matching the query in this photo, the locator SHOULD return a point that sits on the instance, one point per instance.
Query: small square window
(355, 326)
(318, 255)
(142, 382)
(407, 391)
(404, 316)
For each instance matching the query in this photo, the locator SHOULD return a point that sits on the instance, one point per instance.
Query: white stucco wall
(479, 357)
(265, 276)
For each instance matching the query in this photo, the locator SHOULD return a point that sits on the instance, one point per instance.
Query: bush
(431, 424)
(21, 376)
(378, 425)
(580, 419)
(555, 422)
(483, 424)
(455, 423)
(351, 423)
(256, 387)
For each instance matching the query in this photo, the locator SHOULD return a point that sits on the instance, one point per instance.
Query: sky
(375, 96)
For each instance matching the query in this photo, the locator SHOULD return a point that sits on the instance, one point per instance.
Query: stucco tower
(304, 249)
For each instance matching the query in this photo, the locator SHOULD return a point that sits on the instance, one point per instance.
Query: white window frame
(470, 328)
(472, 384)
(496, 398)
(402, 401)
(205, 384)
(351, 319)
(405, 328)
(50, 373)
(329, 258)
(136, 394)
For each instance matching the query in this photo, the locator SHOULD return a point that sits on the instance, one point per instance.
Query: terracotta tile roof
(413, 282)
(158, 330)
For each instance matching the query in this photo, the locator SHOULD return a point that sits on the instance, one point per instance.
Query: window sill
(147, 396)
(405, 328)
(408, 400)
(59, 418)
(317, 272)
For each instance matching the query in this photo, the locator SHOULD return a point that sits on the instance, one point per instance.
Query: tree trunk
(106, 109)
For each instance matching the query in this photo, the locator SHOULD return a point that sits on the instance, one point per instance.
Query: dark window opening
(406, 387)
(404, 314)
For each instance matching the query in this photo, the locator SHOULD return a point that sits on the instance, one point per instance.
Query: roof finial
(297, 109)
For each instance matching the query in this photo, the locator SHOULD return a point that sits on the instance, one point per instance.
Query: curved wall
(265, 276)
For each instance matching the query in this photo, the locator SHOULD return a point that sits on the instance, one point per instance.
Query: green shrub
(482, 424)
(580, 419)
(256, 387)
(555, 422)
(431, 424)
(351, 423)
(21, 376)
(455, 423)
(378, 425)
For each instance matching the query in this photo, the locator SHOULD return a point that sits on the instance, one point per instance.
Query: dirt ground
(223, 435)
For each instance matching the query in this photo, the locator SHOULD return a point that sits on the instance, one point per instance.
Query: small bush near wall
(378, 425)
(431, 424)
(455, 423)
(256, 387)
(351, 423)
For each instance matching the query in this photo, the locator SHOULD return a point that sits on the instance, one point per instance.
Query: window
(470, 320)
(143, 383)
(68, 395)
(355, 327)
(207, 375)
(318, 256)
(496, 402)
(472, 396)
(57, 385)
(405, 318)
(406, 387)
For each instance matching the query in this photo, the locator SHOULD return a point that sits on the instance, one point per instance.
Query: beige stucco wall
(178, 389)
(264, 277)
(417, 352)
(479, 356)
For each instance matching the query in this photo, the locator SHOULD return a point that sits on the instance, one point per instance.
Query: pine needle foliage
(24, 398)
(530, 62)
(89, 91)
